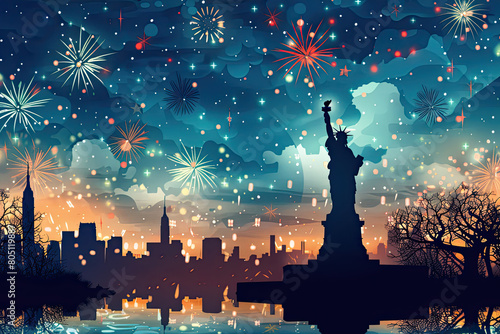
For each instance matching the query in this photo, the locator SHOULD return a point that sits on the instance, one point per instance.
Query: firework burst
(182, 97)
(272, 18)
(485, 176)
(270, 211)
(42, 168)
(19, 102)
(429, 105)
(208, 23)
(195, 172)
(81, 64)
(463, 17)
(306, 52)
(130, 141)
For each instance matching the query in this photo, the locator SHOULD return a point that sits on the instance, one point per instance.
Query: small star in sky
(270, 211)
(395, 10)
(344, 71)
(137, 109)
(142, 42)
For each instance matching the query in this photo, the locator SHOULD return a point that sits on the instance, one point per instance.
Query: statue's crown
(342, 132)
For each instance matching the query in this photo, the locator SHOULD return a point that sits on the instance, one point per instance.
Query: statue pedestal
(345, 280)
(343, 243)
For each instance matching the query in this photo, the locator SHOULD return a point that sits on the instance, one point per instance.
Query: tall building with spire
(28, 217)
(165, 226)
(164, 248)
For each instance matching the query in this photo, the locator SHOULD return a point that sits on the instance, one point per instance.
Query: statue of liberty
(343, 167)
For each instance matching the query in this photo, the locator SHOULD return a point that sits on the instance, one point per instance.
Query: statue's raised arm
(343, 166)
(329, 129)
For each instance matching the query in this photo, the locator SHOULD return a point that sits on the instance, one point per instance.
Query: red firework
(272, 18)
(306, 51)
(142, 42)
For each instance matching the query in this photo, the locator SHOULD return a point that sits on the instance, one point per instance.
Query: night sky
(418, 95)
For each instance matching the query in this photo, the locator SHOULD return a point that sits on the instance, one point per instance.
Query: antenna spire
(164, 206)
(28, 174)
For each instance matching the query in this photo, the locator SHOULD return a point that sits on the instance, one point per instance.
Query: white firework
(81, 64)
(20, 100)
(463, 17)
(196, 171)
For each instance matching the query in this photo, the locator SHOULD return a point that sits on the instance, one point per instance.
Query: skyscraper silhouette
(54, 253)
(29, 249)
(114, 249)
(69, 252)
(162, 248)
(165, 226)
(272, 245)
(212, 251)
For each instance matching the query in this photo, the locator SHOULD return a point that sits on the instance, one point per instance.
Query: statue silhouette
(343, 166)
(342, 275)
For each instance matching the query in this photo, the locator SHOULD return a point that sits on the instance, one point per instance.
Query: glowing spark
(130, 142)
(463, 17)
(208, 24)
(120, 19)
(395, 10)
(271, 328)
(41, 166)
(471, 85)
(19, 102)
(196, 171)
(486, 176)
(305, 52)
(81, 63)
(270, 211)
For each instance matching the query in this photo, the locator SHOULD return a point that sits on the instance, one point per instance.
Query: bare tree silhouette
(453, 234)
(470, 319)
(46, 319)
(31, 263)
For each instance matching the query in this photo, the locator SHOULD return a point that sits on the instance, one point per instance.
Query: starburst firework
(182, 97)
(130, 141)
(429, 105)
(306, 52)
(463, 17)
(486, 177)
(270, 211)
(19, 102)
(272, 18)
(271, 328)
(195, 172)
(42, 167)
(81, 64)
(209, 24)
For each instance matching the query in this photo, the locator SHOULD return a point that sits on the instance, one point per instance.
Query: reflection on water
(137, 318)
(44, 320)
(469, 319)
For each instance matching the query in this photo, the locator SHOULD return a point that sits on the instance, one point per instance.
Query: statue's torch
(327, 107)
